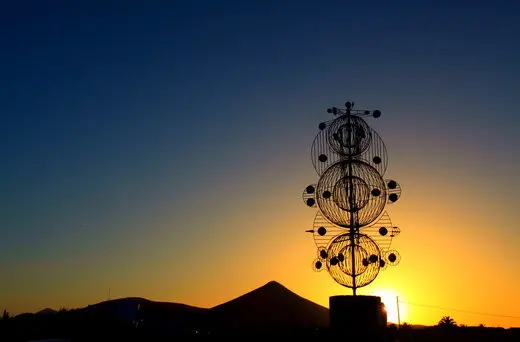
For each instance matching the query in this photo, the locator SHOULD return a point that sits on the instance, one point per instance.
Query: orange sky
(446, 261)
(162, 153)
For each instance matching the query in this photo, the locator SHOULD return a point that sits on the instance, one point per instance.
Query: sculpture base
(357, 316)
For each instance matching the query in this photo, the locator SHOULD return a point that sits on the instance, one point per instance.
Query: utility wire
(458, 310)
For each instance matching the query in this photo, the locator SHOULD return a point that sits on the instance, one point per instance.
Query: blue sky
(132, 133)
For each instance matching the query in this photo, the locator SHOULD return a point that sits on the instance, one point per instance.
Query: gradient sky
(160, 149)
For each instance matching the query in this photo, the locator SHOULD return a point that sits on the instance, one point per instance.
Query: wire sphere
(318, 265)
(349, 135)
(343, 179)
(353, 260)
(392, 257)
(324, 154)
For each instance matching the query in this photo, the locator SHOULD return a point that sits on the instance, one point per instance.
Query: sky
(160, 149)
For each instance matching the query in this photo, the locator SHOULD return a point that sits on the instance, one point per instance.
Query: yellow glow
(389, 298)
(452, 257)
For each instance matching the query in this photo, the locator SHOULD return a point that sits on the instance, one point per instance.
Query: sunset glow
(389, 298)
(161, 152)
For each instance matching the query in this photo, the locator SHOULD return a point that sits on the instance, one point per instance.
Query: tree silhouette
(405, 326)
(447, 322)
(5, 315)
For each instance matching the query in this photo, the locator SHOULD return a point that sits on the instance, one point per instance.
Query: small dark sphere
(322, 231)
(310, 202)
(393, 197)
(329, 110)
(318, 265)
(376, 160)
(365, 262)
(310, 189)
(375, 192)
(326, 194)
(383, 231)
(322, 158)
(323, 254)
(373, 258)
(376, 113)
(334, 261)
(341, 257)
(334, 110)
(392, 184)
(392, 257)
(348, 104)
(367, 112)
(322, 126)
(382, 263)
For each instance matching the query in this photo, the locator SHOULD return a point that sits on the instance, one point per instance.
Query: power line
(459, 310)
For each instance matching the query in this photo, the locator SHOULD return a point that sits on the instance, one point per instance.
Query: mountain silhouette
(271, 306)
(46, 311)
(135, 309)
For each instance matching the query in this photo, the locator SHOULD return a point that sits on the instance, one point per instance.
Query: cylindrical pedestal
(357, 316)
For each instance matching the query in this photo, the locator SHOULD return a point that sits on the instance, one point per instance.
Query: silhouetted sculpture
(352, 230)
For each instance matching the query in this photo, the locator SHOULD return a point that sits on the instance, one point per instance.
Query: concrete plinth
(357, 316)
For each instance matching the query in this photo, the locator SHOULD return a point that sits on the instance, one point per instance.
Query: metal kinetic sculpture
(352, 230)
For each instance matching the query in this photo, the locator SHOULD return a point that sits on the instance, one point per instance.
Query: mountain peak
(274, 284)
(273, 305)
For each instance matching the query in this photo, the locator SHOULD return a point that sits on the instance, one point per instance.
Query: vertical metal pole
(351, 194)
(398, 314)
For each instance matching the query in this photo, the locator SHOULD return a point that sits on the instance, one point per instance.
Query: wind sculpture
(352, 230)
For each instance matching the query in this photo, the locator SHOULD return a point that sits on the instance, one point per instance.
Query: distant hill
(272, 306)
(141, 310)
(46, 311)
